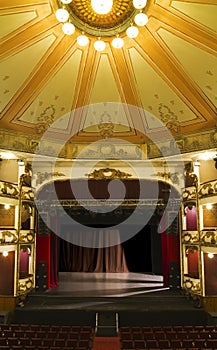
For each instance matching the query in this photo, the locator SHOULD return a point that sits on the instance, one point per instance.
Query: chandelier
(102, 18)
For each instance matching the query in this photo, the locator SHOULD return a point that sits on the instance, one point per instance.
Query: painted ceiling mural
(169, 70)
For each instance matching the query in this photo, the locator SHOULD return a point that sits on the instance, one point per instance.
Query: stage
(137, 298)
(102, 284)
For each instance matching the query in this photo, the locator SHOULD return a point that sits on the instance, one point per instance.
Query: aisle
(106, 343)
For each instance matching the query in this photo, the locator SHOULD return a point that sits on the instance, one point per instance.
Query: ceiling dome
(85, 18)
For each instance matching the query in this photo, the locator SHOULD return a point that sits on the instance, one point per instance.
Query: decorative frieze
(27, 236)
(8, 236)
(8, 189)
(208, 189)
(108, 173)
(186, 143)
(16, 141)
(209, 237)
(27, 193)
(192, 284)
(25, 285)
(190, 237)
(189, 193)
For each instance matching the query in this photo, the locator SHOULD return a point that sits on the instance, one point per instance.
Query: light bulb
(62, 15)
(99, 45)
(7, 206)
(209, 206)
(210, 255)
(21, 162)
(68, 28)
(139, 4)
(141, 19)
(82, 40)
(66, 2)
(102, 7)
(5, 254)
(132, 32)
(117, 43)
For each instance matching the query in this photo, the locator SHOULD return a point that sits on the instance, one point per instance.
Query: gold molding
(108, 173)
(192, 284)
(208, 189)
(190, 237)
(8, 236)
(8, 189)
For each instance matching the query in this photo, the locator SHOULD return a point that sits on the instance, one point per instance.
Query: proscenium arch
(145, 189)
(71, 205)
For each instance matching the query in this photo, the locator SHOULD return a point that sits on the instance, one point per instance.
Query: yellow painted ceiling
(205, 15)
(169, 70)
(203, 72)
(10, 23)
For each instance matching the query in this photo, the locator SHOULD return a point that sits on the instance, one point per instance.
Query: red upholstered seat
(127, 344)
(160, 335)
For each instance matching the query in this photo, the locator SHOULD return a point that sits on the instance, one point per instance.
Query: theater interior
(108, 174)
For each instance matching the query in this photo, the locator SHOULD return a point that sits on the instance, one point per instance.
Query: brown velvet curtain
(82, 259)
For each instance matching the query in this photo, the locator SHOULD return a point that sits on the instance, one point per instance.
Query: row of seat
(210, 328)
(84, 335)
(173, 349)
(166, 344)
(68, 343)
(45, 327)
(40, 348)
(40, 337)
(168, 337)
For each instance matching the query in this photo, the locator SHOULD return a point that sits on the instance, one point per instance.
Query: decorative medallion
(108, 173)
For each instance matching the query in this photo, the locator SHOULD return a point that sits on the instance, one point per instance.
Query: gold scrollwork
(191, 285)
(106, 129)
(108, 173)
(207, 189)
(168, 176)
(8, 189)
(189, 194)
(209, 237)
(25, 285)
(26, 236)
(8, 236)
(190, 237)
(27, 195)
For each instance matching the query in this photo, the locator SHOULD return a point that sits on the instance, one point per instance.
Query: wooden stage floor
(88, 284)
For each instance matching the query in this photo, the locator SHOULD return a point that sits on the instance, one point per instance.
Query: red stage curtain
(54, 254)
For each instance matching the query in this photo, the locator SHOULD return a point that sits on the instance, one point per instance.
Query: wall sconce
(21, 162)
(7, 206)
(209, 206)
(5, 253)
(210, 255)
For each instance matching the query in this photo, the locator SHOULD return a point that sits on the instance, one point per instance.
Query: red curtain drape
(43, 250)
(170, 251)
(54, 254)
